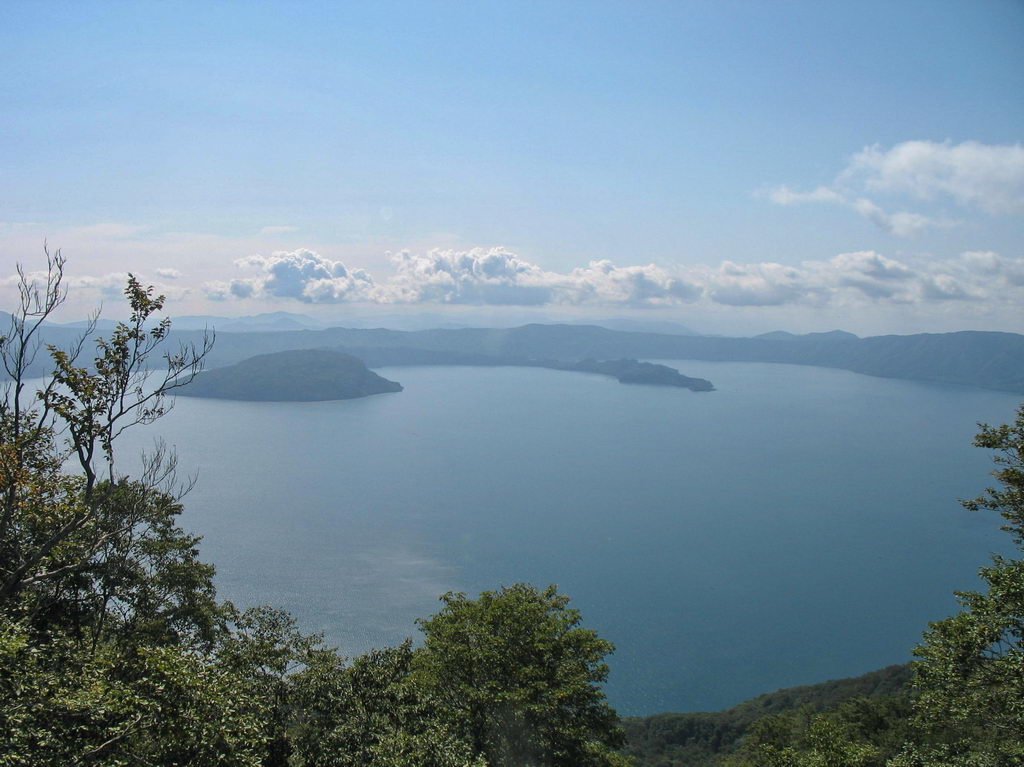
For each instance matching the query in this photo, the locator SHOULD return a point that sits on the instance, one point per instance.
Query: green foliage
(970, 667)
(372, 712)
(876, 704)
(517, 675)
(862, 732)
(64, 703)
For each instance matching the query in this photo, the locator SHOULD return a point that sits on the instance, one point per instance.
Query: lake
(799, 524)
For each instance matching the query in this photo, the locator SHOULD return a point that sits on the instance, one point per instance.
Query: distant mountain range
(983, 359)
(971, 358)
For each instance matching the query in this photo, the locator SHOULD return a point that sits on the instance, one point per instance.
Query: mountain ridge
(984, 359)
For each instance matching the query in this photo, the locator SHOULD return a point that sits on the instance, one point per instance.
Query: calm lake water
(796, 525)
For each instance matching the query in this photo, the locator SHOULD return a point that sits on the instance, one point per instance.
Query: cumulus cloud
(97, 287)
(497, 276)
(301, 274)
(870, 273)
(760, 284)
(971, 175)
(481, 276)
(169, 274)
(478, 276)
(1008, 271)
(868, 277)
(110, 285)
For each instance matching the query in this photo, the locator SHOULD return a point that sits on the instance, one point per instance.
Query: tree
(516, 675)
(52, 525)
(373, 711)
(108, 616)
(970, 667)
(805, 738)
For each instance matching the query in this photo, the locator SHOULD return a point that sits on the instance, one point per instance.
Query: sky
(737, 167)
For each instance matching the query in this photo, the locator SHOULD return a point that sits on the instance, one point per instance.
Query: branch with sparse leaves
(90, 406)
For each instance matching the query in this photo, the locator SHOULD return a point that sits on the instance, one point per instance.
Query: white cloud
(866, 278)
(111, 284)
(96, 288)
(971, 175)
(869, 273)
(979, 281)
(104, 285)
(1008, 271)
(479, 276)
(648, 285)
(499, 277)
(902, 223)
(945, 287)
(760, 284)
(783, 195)
(301, 275)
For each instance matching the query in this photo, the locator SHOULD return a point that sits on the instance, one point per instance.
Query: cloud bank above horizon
(500, 277)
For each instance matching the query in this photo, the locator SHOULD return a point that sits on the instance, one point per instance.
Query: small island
(302, 375)
(635, 372)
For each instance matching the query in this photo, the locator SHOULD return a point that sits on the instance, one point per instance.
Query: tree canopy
(517, 675)
(970, 668)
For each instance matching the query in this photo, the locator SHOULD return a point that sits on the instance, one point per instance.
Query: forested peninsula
(301, 375)
(305, 375)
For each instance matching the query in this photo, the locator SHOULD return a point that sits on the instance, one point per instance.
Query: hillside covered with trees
(300, 375)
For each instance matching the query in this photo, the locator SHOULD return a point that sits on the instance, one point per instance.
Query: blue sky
(734, 166)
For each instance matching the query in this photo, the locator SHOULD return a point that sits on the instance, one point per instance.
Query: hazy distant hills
(302, 375)
(627, 371)
(972, 358)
